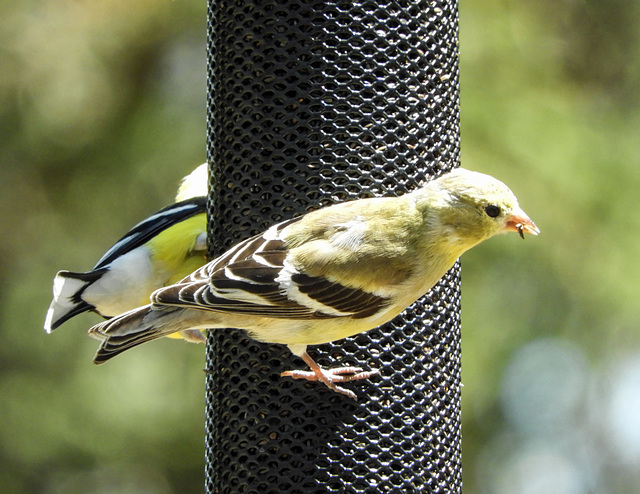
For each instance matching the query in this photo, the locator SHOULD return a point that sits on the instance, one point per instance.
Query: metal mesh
(312, 103)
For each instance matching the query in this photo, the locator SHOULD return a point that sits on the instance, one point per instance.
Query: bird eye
(492, 210)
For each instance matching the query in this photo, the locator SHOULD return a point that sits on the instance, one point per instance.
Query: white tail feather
(66, 300)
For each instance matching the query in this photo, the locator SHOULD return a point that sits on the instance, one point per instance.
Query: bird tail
(135, 327)
(67, 297)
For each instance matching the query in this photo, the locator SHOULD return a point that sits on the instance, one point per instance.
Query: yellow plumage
(177, 252)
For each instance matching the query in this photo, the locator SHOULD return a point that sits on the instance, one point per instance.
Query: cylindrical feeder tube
(312, 103)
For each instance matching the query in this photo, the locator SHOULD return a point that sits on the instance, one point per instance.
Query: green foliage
(549, 105)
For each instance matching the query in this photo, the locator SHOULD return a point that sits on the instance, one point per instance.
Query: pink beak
(521, 223)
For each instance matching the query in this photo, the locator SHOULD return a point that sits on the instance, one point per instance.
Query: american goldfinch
(159, 251)
(329, 274)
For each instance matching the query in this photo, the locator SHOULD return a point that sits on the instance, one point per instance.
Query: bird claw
(333, 375)
(330, 377)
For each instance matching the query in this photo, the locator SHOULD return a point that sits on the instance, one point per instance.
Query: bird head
(194, 184)
(472, 207)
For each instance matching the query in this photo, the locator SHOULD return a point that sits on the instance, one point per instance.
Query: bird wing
(256, 278)
(150, 227)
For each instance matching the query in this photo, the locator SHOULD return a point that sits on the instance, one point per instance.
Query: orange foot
(330, 377)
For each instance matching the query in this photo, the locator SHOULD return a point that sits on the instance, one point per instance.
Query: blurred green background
(102, 111)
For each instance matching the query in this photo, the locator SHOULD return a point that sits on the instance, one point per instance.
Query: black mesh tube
(311, 103)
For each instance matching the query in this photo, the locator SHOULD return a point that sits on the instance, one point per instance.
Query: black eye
(492, 210)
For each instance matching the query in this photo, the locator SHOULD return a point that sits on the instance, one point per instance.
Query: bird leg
(193, 336)
(330, 376)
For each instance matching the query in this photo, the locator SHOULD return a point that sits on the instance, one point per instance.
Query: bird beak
(521, 223)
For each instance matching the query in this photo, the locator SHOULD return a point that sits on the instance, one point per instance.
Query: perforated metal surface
(312, 103)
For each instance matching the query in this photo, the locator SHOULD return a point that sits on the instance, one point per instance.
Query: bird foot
(330, 377)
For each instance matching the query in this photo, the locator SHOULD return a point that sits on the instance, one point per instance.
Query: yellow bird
(159, 251)
(329, 274)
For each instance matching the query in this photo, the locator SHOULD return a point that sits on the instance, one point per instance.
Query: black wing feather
(150, 227)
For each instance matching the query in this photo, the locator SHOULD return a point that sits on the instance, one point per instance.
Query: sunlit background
(101, 113)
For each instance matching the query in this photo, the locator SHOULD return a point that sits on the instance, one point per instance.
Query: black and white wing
(256, 278)
(148, 228)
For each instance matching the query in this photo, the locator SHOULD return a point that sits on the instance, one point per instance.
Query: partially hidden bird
(160, 250)
(330, 273)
